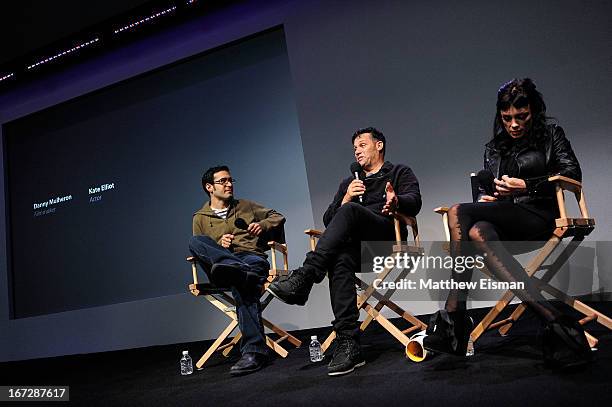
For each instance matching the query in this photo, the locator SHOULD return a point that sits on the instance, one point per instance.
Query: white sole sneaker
(346, 371)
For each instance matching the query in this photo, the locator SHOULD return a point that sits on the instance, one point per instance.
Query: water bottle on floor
(316, 354)
(470, 347)
(186, 364)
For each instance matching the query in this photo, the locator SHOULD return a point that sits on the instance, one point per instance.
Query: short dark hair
(376, 134)
(209, 175)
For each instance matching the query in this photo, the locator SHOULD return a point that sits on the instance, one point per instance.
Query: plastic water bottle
(316, 354)
(186, 364)
(470, 347)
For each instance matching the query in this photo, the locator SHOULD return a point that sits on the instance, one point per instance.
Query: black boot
(448, 332)
(564, 344)
(293, 290)
(347, 356)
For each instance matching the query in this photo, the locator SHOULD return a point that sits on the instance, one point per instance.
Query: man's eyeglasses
(224, 181)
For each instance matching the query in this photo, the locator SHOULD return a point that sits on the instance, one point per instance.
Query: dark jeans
(338, 255)
(248, 307)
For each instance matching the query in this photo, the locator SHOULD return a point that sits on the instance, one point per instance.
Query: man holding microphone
(229, 242)
(362, 210)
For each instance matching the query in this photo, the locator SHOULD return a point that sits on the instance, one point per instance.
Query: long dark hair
(520, 93)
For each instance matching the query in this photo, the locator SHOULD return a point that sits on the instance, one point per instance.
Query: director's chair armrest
(278, 246)
(566, 183)
(410, 222)
(441, 210)
(313, 232)
(313, 235)
(275, 271)
(194, 272)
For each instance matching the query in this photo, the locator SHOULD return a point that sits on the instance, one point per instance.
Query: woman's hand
(509, 186)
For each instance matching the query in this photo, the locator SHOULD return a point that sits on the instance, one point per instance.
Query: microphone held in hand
(241, 224)
(485, 181)
(356, 170)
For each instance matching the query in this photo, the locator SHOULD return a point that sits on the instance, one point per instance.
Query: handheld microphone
(485, 180)
(355, 170)
(241, 224)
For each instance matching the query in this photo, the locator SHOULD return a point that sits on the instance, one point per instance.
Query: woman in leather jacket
(517, 203)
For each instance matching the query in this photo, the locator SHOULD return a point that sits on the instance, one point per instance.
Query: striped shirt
(222, 213)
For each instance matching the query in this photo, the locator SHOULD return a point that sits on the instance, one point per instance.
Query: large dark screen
(101, 188)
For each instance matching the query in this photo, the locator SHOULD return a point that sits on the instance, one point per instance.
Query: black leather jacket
(554, 156)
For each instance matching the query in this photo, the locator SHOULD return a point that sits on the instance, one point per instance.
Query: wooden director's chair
(577, 229)
(367, 291)
(222, 299)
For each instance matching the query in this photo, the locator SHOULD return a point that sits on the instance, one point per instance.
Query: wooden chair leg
(548, 275)
(282, 333)
(383, 301)
(231, 345)
(484, 324)
(276, 348)
(374, 313)
(361, 301)
(392, 329)
(224, 334)
(327, 342)
(531, 268)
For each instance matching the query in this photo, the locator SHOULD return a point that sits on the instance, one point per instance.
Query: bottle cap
(185, 352)
(313, 338)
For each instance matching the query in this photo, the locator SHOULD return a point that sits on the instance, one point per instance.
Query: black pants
(338, 255)
(486, 224)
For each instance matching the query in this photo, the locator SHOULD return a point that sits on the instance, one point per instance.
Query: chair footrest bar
(501, 323)
(227, 345)
(282, 338)
(412, 329)
(588, 319)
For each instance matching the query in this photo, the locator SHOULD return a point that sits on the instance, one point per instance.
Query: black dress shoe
(294, 290)
(249, 363)
(448, 332)
(565, 344)
(227, 275)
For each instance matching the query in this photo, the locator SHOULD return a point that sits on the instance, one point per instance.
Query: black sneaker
(347, 356)
(249, 363)
(227, 275)
(565, 345)
(448, 332)
(294, 289)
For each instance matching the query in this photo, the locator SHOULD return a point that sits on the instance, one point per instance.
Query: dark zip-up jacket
(553, 157)
(402, 179)
(241, 213)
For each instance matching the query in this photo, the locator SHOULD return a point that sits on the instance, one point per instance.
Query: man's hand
(391, 204)
(226, 240)
(487, 198)
(509, 186)
(355, 188)
(254, 229)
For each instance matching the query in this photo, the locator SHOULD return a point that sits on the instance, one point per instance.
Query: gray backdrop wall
(426, 73)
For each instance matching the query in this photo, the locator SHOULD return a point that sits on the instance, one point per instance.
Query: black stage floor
(504, 371)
